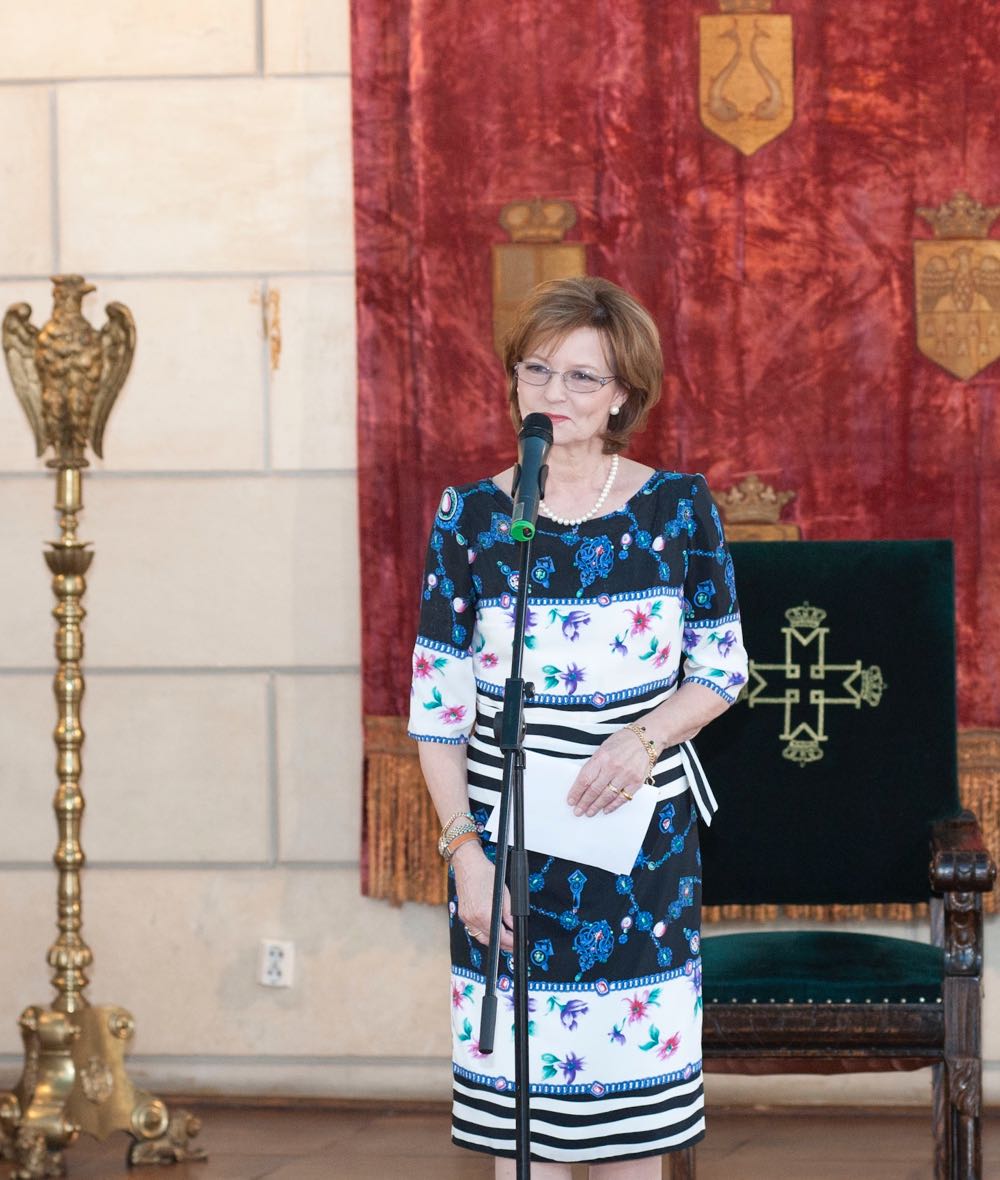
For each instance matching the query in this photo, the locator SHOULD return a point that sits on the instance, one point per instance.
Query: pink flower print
(664, 1047)
(669, 1048)
(424, 666)
(640, 620)
(471, 1041)
(489, 659)
(638, 1006)
(661, 657)
(453, 714)
(460, 995)
(642, 617)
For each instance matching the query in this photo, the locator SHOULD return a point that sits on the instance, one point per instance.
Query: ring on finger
(612, 787)
(474, 933)
(626, 795)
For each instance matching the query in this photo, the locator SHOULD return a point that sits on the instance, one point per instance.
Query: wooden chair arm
(960, 861)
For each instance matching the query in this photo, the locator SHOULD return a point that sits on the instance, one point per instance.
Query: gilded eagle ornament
(68, 374)
(957, 280)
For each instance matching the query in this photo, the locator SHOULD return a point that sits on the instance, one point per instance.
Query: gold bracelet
(452, 818)
(649, 746)
(452, 830)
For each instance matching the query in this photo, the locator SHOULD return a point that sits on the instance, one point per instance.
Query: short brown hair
(629, 335)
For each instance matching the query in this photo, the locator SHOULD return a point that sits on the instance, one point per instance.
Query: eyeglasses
(575, 380)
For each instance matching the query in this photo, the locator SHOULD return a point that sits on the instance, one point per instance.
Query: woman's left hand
(620, 764)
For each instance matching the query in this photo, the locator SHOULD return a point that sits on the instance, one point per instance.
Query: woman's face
(576, 417)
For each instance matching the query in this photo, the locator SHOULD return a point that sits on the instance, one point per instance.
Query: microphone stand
(511, 739)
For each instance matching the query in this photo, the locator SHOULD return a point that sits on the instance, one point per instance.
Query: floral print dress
(621, 607)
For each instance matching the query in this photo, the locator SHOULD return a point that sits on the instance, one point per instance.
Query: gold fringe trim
(979, 782)
(979, 789)
(400, 825)
(401, 828)
(820, 913)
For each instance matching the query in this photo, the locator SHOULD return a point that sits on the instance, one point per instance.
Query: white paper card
(609, 842)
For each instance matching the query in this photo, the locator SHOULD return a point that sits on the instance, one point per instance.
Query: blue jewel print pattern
(438, 581)
(594, 939)
(542, 571)
(594, 559)
(594, 590)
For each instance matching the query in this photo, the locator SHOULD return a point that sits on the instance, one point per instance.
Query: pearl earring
(615, 409)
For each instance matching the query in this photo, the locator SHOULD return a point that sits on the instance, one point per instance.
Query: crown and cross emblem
(806, 690)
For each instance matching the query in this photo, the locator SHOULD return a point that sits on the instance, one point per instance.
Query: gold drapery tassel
(401, 825)
(979, 780)
(401, 828)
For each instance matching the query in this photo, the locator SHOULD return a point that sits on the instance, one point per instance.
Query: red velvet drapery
(782, 283)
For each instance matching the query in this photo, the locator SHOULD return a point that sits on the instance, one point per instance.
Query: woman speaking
(633, 643)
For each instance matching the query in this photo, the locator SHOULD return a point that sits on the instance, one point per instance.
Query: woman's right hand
(474, 875)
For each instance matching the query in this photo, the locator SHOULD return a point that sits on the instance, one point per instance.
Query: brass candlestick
(67, 376)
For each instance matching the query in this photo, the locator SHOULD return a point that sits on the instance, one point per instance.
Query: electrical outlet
(276, 963)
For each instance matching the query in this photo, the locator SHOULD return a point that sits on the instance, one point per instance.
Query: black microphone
(533, 444)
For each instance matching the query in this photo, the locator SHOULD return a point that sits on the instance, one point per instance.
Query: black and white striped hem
(565, 1130)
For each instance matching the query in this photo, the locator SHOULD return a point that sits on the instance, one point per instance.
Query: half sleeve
(714, 654)
(443, 691)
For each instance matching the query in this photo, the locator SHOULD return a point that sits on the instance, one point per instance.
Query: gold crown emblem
(745, 5)
(753, 502)
(537, 220)
(805, 617)
(961, 217)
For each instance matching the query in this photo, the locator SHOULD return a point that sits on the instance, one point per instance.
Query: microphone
(533, 442)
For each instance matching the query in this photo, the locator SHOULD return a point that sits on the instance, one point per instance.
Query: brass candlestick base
(67, 376)
(75, 1081)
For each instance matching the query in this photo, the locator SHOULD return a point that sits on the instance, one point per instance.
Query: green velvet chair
(837, 782)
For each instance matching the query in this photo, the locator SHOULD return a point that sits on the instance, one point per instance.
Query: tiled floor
(406, 1144)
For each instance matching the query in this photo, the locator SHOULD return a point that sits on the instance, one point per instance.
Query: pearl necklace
(608, 485)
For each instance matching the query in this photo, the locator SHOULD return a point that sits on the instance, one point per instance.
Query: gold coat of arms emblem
(747, 73)
(957, 277)
(535, 253)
